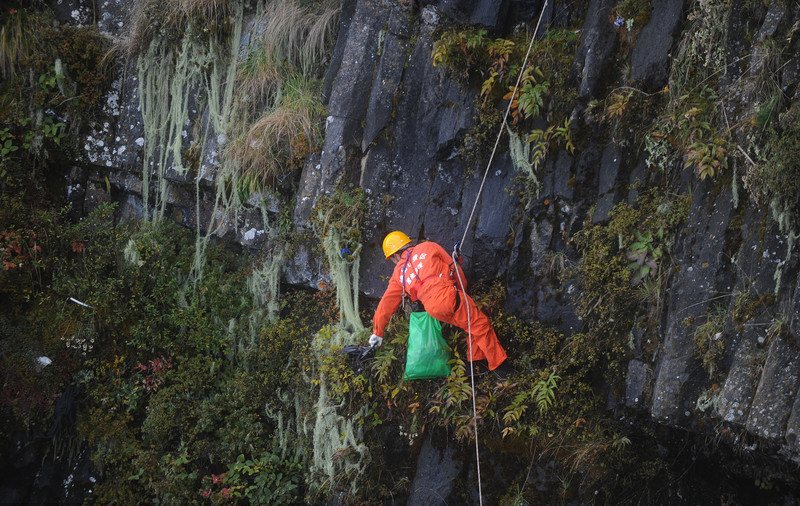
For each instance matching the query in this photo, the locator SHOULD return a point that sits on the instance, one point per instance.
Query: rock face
(394, 127)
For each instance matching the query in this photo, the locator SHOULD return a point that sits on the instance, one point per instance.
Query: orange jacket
(417, 265)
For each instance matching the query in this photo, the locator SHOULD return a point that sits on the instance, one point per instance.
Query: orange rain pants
(425, 270)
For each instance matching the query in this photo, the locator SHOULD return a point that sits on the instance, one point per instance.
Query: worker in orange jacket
(425, 272)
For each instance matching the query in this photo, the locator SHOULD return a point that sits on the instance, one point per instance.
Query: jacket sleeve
(389, 303)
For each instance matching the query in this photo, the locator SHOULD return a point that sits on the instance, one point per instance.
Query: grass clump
(17, 40)
(709, 340)
(279, 95)
(280, 139)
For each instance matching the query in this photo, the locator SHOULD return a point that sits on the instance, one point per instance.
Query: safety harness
(421, 282)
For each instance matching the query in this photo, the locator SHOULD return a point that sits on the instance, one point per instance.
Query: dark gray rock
(650, 58)
(437, 470)
(678, 376)
(775, 396)
(745, 350)
(73, 12)
(597, 42)
(385, 87)
(776, 12)
(113, 17)
(345, 18)
(487, 13)
(639, 375)
(607, 191)
(540, 242)
(349, 98)
(304, 266)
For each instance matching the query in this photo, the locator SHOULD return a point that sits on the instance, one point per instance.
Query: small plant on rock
(709, 342)
(645, 254)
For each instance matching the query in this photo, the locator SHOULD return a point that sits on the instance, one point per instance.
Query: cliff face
(395, 128)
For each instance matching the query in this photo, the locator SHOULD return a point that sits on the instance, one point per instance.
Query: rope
(505, 118)
(472, 381)
(456, 255)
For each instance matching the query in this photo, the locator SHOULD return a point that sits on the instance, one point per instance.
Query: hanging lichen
(527, 155)
(344, 274)
(206, 68)
(337, 440)
(521, 157)
(166, 75)
(263, 284)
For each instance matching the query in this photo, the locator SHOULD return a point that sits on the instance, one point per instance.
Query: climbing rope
(456, 254)
(503, 125)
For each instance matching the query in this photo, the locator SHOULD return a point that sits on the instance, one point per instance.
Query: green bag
(428, 352)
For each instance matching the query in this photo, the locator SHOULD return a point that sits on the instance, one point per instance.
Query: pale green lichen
(521, 155)
(205, 68)
(333, 434)
(264, 283)
(344, 274)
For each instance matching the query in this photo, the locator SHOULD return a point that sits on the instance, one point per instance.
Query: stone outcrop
(394, 127)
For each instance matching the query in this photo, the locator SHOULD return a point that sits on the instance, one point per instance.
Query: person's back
(420, 264)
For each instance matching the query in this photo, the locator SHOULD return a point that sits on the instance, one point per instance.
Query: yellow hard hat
(393, 242)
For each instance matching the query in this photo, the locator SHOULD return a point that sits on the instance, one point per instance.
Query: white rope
(505, 118)
(471, 376)
(455, 254)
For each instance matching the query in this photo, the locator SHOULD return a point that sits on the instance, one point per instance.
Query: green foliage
(629, 17)
(459, 50)
(480, 139)
(267, 479)
(702, 53)
(528, 99)
(610, 264)
(529, 152)
(645, 254)
(707, 158)
(689, 128)
(542, 393)
(693, 126)
(55, 80)
(342, 212)
(17, 39)
(469, 53)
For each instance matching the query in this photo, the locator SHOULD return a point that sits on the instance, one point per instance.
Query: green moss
(777, 181)
(480, 139)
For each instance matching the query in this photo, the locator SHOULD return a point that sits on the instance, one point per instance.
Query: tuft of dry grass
(278, 93)
(17, 40)
(299, 35)
(262, 152)
(258, 80)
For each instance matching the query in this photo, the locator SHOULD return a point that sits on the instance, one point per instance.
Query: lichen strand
(344, 274)
(338, 222)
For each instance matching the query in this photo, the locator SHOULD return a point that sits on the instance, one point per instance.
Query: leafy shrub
(471, 53)
(267, 479)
